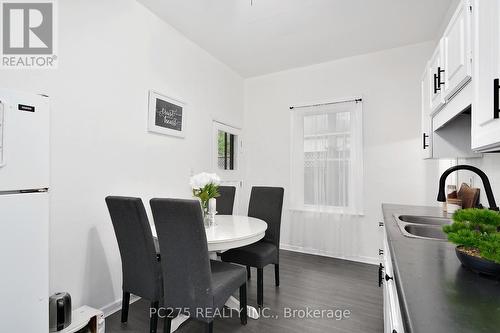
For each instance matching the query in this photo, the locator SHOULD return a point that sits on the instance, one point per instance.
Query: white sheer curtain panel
(327, 179)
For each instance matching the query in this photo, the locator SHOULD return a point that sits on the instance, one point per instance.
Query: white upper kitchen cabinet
(486, 71)
(457, 51)
(448, 93)
(436, 77)
(446, 134)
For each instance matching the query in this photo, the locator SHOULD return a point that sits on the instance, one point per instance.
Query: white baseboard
(116, 306)
(362, 259)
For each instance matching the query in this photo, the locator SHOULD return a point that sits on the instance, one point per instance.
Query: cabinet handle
(381, 224)
(387, 277)
(424, 137)
(436, 89)
(380, 275)
(439, 83)
(380, 252)
(496, 101)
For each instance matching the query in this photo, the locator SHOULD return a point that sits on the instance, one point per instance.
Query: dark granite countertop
(436, 293)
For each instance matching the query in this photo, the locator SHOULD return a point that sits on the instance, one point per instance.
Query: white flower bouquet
(205, 186)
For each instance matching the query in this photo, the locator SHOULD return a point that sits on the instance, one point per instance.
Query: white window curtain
(326, 206)
(327, 158)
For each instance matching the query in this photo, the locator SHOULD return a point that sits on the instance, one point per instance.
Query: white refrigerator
(24, 212)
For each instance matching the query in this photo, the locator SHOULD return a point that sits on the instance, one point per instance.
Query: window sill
(326, 210)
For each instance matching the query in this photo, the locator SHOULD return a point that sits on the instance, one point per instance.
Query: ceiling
(274, 35)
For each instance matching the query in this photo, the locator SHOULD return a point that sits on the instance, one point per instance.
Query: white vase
(212, 206)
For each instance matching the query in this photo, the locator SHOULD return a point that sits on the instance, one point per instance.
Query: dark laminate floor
(306, 281)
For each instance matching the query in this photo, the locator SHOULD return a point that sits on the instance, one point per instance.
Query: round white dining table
(229, 232)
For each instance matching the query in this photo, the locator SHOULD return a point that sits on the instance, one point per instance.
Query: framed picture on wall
(166, 115)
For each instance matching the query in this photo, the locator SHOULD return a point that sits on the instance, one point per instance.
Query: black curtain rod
(357, 100)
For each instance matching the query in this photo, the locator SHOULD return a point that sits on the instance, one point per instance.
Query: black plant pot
(478, 265)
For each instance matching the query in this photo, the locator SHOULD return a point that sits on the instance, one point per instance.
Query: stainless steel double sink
(424, 227)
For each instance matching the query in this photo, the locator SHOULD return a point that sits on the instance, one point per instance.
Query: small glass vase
(208, 219)
(209, 216)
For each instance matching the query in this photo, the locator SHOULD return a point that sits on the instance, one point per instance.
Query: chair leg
(260, 287)
(168, 325)
(277, 275)
(210, 327)
(249, 273)
(243, 304)
(125, 304)
(153, 321)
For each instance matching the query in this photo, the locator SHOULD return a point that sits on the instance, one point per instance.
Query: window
(327, 166)
(225, 150)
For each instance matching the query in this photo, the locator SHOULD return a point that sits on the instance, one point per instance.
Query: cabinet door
(387, 312)
(24, 244)
(392, 312)
(486, 53)
(426, 135)
(396, 324)
(436, 79)
(457, 51)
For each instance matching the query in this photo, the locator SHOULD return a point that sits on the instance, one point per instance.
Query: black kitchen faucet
(486, 183)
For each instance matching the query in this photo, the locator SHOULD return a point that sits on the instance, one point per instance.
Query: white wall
(111, 52)
(388, 81)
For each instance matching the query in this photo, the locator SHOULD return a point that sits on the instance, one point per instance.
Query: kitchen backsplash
(489, 164)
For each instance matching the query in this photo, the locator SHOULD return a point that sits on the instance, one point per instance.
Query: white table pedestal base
(234, 303)
(177, 321)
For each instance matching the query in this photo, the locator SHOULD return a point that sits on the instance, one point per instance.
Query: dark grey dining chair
(193, 284)
(266, 203)
(225, 202)
(140, 260)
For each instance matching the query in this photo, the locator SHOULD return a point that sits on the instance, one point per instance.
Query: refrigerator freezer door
(25, 141)
(1, 134)
(24, 254)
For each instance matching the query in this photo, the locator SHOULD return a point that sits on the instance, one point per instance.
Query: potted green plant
(476, 232)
